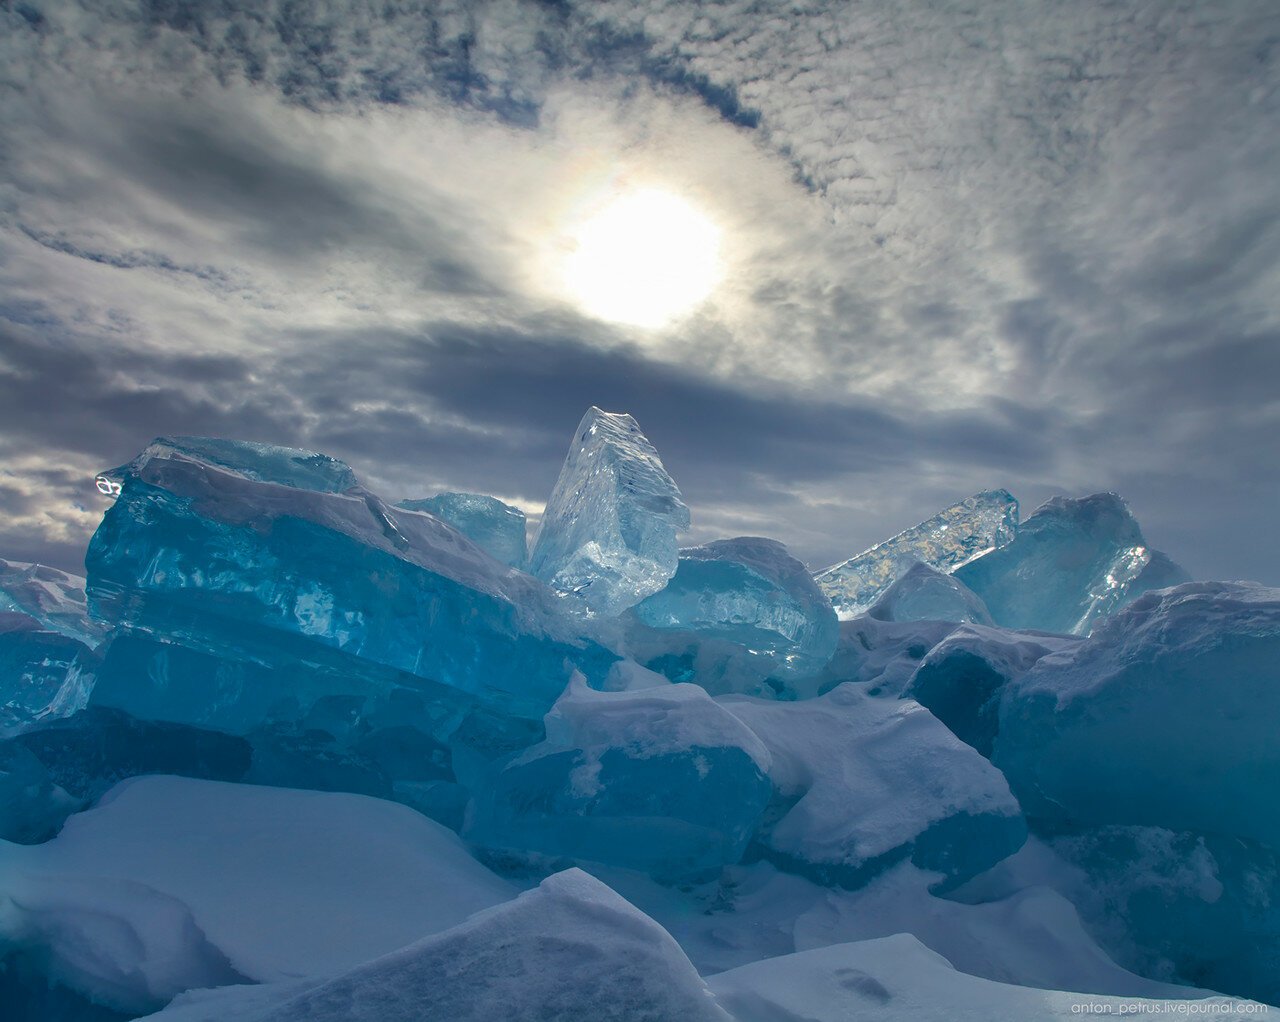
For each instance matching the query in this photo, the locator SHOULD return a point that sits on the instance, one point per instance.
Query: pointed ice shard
(496, 528)
(609, 530)
(954, 536)
(1074, 562)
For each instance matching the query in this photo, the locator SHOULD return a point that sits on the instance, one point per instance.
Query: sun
(644, 260)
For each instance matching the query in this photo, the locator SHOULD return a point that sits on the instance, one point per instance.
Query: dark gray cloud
(1032, 246)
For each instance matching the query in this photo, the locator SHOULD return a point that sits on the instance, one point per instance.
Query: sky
(962, 245)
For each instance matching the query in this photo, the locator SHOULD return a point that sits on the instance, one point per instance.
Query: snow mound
(172, 883)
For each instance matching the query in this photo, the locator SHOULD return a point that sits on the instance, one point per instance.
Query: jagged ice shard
(608, 536)
(953, 537)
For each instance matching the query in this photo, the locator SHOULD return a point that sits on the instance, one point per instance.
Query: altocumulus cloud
(1031, 245)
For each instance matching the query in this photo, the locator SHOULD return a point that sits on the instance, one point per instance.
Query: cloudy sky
(1020, 243)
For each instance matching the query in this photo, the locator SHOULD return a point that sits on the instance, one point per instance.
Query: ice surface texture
(241, 596)
(496, 528)
(1073, 562)
(608, 535)
(660, 779)
(740, 607)
(954, 536)
(1165, 716)
(866, 783)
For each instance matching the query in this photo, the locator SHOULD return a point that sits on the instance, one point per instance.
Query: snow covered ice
(1164, 717)
(953, 537)
(291, 752)
(608, 535)
(863, 783)
(661, 780)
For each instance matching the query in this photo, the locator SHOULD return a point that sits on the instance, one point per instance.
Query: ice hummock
(272, 622)
(495, 527)
(608, 534)
(1072, 563)
(738, 607)
(953, 537)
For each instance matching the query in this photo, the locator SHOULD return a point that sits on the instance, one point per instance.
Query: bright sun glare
(644, 260)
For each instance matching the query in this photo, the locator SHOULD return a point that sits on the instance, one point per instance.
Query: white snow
(571, 949)
(171, 883)
(869, 774)
(898, 979)
(645, 722)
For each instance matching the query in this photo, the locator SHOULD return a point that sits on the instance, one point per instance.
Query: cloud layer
(1033, 246)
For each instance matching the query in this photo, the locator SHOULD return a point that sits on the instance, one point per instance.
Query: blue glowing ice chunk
(1164, 717)
(282, 595)
(659, 779)
(925, 594)
(953, 537)
(496, 528)
(751, 594)
(863, 783)
(54, 598)
(608, 534)
(1074, 561)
